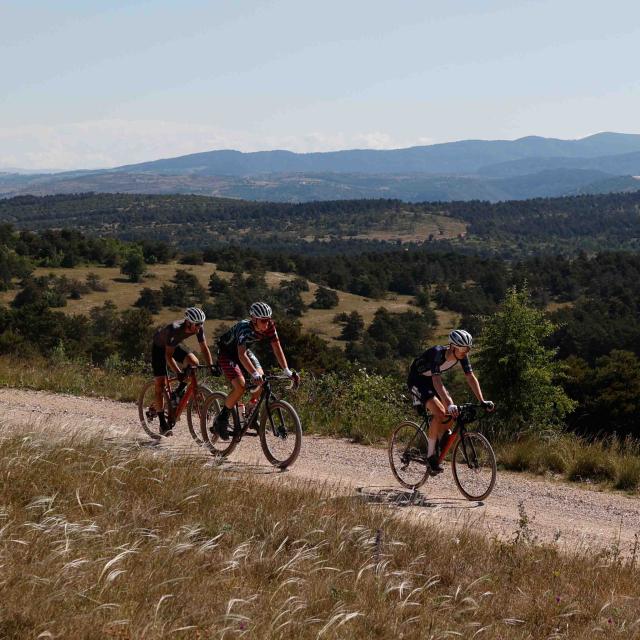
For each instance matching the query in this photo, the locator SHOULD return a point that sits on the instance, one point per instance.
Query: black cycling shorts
(159, 359)
(421, 387)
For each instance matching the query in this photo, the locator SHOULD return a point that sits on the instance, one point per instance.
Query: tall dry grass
(104, 542)
(76, 378)
(608, 462)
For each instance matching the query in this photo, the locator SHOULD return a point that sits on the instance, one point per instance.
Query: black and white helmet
(195, 315)
(260, 310)
(461, 338)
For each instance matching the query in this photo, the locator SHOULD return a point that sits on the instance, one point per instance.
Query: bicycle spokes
(408, 455)
(280, 433)
(474, 466)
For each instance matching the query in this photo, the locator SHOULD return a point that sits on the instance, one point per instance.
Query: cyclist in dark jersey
(167, 351)
(235, 359)
(425, 385)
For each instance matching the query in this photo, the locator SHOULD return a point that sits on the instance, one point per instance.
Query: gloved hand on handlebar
(256, 377)
(453, 410)
(488, 405)
(295, 377)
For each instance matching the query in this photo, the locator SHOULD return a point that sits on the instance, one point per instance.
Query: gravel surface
(571, 515)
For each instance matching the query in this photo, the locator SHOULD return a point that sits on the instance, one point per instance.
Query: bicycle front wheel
(212, 407)
(408, 449)
(195, 409)
(148, 413)
(280, 434)
(474, 466)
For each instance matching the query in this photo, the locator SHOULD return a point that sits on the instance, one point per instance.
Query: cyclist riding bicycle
(168, 353)
(235, 359)
(425, 385)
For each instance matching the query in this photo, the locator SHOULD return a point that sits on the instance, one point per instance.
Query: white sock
(432, 446)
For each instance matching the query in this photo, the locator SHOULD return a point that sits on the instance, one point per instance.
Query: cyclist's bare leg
(439, 422)
(160, 383)
(255, 394)
(191, 360)
(238, 386)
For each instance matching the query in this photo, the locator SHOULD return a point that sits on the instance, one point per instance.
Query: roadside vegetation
(116, 542)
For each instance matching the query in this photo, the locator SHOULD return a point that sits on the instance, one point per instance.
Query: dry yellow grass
(98, 541)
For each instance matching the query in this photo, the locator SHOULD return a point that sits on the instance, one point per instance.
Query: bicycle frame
(266, 397)
(190, 391)
(458, 430)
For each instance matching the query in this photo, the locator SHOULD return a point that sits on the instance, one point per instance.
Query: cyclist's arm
(245, 360)
(204, 348)
(473, 383)
(279, 354)
(443, 394)
(168, 354)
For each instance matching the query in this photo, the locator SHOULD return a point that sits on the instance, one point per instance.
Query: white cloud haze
(110, 143)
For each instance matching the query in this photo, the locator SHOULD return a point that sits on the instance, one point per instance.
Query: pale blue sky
(90, 84)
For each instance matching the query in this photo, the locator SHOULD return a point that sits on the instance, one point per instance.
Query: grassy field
(124, 294)
(404, 228)
(98, 541)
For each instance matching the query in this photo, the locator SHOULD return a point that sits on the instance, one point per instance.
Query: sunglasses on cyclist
(463, 349)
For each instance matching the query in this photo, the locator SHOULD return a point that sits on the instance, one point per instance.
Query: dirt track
(572, 515)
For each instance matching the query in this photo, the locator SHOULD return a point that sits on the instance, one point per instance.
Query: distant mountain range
(466, 170)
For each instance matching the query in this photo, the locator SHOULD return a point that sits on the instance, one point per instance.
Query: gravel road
(571, 515)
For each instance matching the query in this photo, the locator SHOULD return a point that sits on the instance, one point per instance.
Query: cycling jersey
(243, 333)
(433, 362)
(427, 365)
(173, 334)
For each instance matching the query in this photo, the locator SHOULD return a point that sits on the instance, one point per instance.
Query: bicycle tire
(211, 441)
(474, 465)
(148, 420)
(272, 436)
(408, 449)
(198, 400)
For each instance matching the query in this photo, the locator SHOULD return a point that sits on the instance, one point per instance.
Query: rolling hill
(492, 170)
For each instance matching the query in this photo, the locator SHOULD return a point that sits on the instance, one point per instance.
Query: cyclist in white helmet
(168, 353)
(236, 359)
(425, 385)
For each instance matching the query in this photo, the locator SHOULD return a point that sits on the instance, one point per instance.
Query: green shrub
(356, 404)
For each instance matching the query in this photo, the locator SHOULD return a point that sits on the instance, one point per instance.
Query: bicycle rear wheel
(147, 411)
(195, 409)
(212, 407)
(408, 449)
(474, 466)
(280, 434)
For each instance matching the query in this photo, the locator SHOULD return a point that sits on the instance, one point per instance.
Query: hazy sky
(99, 83)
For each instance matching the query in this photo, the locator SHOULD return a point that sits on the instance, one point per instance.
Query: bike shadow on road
(394, 497)
(234, 466)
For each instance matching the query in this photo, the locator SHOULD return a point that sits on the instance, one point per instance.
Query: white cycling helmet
(461, 338)
(260, 310)
(195, 315)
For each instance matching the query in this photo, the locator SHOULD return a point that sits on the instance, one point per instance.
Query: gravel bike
(276, 421)
(193, 399)
(473, 461)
